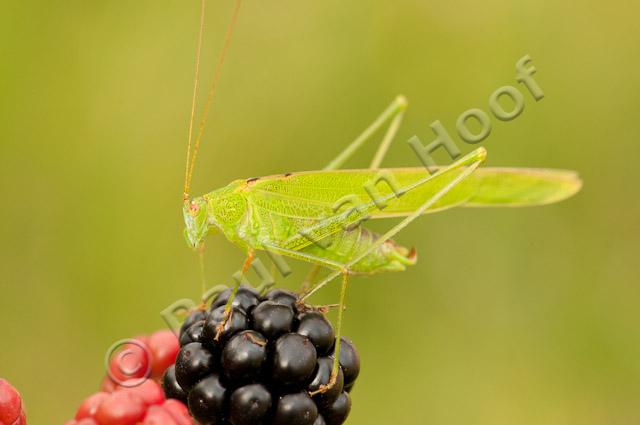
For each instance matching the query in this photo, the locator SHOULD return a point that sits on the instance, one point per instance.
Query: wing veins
(293, 198)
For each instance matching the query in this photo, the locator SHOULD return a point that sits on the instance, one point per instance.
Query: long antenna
(191, 160)
(196, 83)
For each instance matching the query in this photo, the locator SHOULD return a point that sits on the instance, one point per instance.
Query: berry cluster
(11, 407)
(130, 405)
(130, 393)
(267, 365)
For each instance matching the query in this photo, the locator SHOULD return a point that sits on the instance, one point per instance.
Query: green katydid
(299, 215)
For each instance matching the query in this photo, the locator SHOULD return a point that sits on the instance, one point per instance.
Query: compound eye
(194, 208)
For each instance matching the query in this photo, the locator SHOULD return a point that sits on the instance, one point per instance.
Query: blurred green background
(510, 317)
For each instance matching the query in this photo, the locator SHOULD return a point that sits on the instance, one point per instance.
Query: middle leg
(228, 307)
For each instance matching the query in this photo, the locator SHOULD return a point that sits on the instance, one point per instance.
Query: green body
(297, 214)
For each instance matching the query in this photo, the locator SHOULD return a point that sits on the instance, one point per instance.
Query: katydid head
(196, 221)
(216, 211)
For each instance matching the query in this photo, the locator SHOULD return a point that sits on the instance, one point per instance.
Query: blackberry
(294, 359)
(194, 317)
(295, 409)
(321, 376)
(244, 355)
(317, 328)
(207, 399)
(171, 387)
(236, 323)
(270, 364)
(194, 362)
(281, 296)
(250, 405)
(193, 333)
(337, 413)
(349, 361)
(272, 319)
(246, 298)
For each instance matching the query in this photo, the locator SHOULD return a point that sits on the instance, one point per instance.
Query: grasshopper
(300, 215)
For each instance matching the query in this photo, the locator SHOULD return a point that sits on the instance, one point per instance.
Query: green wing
(305, 202)
(313, 193)
(491, 187)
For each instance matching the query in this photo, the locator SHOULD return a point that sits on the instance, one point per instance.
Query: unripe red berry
(90, 405)
(179, 411)
(121, 408)
(11, 411)
(85, 421)
(107, 385)
(150, 391)
(163, 347)
(157, 415)
(131, 361)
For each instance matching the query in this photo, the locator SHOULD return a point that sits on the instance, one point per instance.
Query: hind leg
(395, 113)
(464, 167)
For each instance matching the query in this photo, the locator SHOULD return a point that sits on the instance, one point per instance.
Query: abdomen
(346, 246)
